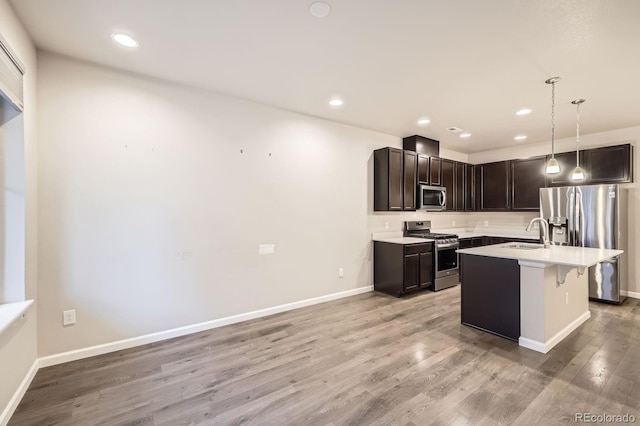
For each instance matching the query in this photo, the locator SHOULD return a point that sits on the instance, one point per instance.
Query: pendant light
(577, 174)
(552, 165)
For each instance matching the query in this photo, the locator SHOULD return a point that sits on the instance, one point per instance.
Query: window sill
(10, 312)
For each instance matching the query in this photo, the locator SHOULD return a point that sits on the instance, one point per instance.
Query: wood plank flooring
(365, 360)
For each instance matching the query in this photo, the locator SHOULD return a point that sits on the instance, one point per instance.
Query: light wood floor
(367, 359)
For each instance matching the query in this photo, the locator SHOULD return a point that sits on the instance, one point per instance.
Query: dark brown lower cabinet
(399, 269)
(490, 294)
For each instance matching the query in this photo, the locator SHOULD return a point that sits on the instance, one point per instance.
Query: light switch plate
(266, 248)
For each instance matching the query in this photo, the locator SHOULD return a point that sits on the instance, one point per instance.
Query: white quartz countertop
(403, 240)
(555, 255)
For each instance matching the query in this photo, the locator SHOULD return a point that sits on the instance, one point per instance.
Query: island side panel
(550, 311)
(490, 294)
(567, 304)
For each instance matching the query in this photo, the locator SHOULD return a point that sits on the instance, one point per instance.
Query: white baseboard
(18, 394)
(189, 329)
(634, 294)
(545, 347)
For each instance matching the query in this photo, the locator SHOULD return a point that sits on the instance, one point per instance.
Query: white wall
(151, 216)
(18, 346)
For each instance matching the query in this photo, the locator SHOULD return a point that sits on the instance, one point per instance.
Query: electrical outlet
(69, 317)
(386, 225)
(566, 298)
(486, 223)
(453, 223)
(340, 272)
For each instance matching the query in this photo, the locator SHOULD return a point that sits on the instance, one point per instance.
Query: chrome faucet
(545, 230)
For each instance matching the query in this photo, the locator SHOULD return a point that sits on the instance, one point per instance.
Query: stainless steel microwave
(432, 198)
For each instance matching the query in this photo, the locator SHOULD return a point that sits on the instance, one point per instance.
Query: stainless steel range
(446, 258)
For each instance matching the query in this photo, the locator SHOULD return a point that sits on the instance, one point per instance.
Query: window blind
(11, 73)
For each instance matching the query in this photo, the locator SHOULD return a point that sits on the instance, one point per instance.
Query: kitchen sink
(523, 246)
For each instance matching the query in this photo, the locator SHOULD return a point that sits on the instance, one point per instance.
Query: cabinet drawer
(418, 248)
(465, 243)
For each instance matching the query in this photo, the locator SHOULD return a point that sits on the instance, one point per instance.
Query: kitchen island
(536, 296)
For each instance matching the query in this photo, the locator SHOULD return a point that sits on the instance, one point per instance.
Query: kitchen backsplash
(477, 221)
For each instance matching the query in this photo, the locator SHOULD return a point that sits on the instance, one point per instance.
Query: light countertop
(403, 240)
(555, 255)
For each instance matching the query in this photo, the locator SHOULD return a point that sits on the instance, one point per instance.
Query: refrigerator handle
(579, 219)
(570, 217)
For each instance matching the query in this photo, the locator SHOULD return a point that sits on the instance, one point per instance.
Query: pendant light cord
(553, 118)
(578, 136)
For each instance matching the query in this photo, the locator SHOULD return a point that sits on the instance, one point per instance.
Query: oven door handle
(447, 245)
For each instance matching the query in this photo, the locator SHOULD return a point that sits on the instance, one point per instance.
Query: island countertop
(555, 255)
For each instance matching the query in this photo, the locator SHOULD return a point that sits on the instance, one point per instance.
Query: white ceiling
(464, 63)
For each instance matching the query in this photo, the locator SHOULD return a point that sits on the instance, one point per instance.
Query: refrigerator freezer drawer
(604, 281)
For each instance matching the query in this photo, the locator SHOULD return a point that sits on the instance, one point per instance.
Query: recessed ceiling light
(320, 9)
(523, 111)
(520, 137)
(454, 129)
(423, 122)
(465, 135)
(335, 102)
(124, 40)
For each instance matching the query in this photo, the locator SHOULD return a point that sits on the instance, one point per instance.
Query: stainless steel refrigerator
(591, 216)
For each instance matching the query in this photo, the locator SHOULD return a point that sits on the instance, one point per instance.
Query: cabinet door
(388, 179)
(492, 181)
(478, 241)
(465, 243)
(435, 171)
(423, 169)
(610, 164)
(460, 186)
(567, 161)
(411, 271)
(449, 182)
(527, 177)
(426, 269)
(469, 188)
(410, 169)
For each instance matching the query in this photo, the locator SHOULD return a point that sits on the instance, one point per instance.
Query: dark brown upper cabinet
(460, 187)
(449, 182)
(388, 179)
(435, 171)
(410, 164)
(421, 145)
(492, 186)
(469, 188)
(567, 161)
(610, 164)
(394, 179)
(527, 177)
(423, 169)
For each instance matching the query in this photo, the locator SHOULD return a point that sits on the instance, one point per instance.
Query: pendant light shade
(578, 174)
(552, 165)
